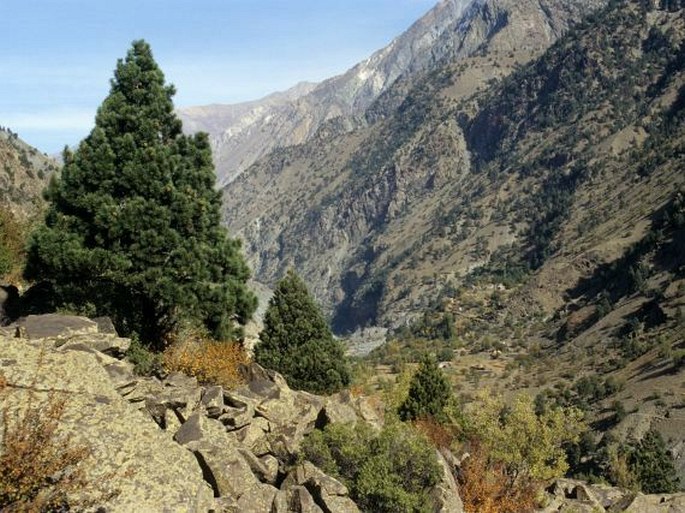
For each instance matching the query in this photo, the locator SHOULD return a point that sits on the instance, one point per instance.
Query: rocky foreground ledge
(174, 446)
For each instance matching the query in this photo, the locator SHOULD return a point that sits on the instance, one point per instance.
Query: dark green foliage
(429, 393)
(133, 225)
(12, 241)
(297, 342)
(386, 472)
(653, 465)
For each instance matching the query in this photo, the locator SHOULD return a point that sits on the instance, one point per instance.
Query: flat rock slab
(35, 327)
(129, 452)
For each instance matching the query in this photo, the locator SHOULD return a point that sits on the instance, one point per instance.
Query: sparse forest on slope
(526, 217)
(371, 205)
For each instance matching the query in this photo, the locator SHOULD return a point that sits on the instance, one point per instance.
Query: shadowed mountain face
(243, 133)
(378, 218)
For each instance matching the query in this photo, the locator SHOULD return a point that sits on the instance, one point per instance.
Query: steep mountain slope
(24, 172)
(251, 131)
(376, 219)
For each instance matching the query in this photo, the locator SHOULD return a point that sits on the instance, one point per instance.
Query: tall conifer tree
(133, 227)
(297, 342)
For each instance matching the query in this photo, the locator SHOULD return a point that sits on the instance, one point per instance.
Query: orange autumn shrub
(439, 435)
(38, 466)
(211, 362)
(486, 486)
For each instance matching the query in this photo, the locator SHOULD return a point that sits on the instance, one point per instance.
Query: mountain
(241, 134)
(23, 176)
(357, 213)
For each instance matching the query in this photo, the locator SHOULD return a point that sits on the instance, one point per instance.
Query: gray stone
(224, 467)
(236, 418)
(295, 500)
(255, 437)
(107, 344)
(259, 499)
(270, 463)
(36, 327)
(446, 492)
(657, 504)
(200, 428)
(308, 474)
(105, 325)
(259, 466)
(213, 401)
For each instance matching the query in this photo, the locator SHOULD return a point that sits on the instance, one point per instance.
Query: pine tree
(133, 227)
(297, 342)
(653, 465)
(429, 393)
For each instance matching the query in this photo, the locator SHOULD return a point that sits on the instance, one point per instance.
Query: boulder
(657, 504)
(106, 344)
(224, 468)
(295, 500)
(105, 325)
(130, 454)
(258, 499)
(446, 492)
(47, 326)
(213, 401)
(329, 493)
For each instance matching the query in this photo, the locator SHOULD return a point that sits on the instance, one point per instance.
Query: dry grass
(487, 487)
(211, 362)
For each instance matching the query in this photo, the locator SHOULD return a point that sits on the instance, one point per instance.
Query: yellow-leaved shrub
(211, 362)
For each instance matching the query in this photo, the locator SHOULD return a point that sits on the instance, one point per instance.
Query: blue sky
(57, 56)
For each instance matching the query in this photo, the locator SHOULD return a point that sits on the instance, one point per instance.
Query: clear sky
(57, 56)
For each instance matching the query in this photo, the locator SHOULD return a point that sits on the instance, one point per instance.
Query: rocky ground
(173, 445)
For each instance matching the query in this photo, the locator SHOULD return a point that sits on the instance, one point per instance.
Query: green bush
(297, 342)
(386, 472)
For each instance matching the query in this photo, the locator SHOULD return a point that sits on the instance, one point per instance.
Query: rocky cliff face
(24, 172)
(242, 134)
(356, 213)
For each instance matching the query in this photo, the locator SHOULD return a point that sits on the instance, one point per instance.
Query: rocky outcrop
(170, 444)
(130, 455)
(567, 495)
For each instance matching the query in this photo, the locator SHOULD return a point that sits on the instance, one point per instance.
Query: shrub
(297, 342)
(12, 242)
(145, 362)
(386, 472)
(211, 362)
(525, 442)
(39, 468)
(486, 486)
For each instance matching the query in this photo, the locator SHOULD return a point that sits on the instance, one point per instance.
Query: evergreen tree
(429, 393)
(133, 227)
(297, 342)
(653, 465)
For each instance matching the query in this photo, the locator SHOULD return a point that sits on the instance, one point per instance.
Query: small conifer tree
(133, 226)
(653, 465)
(297, 342)
(429, 393)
